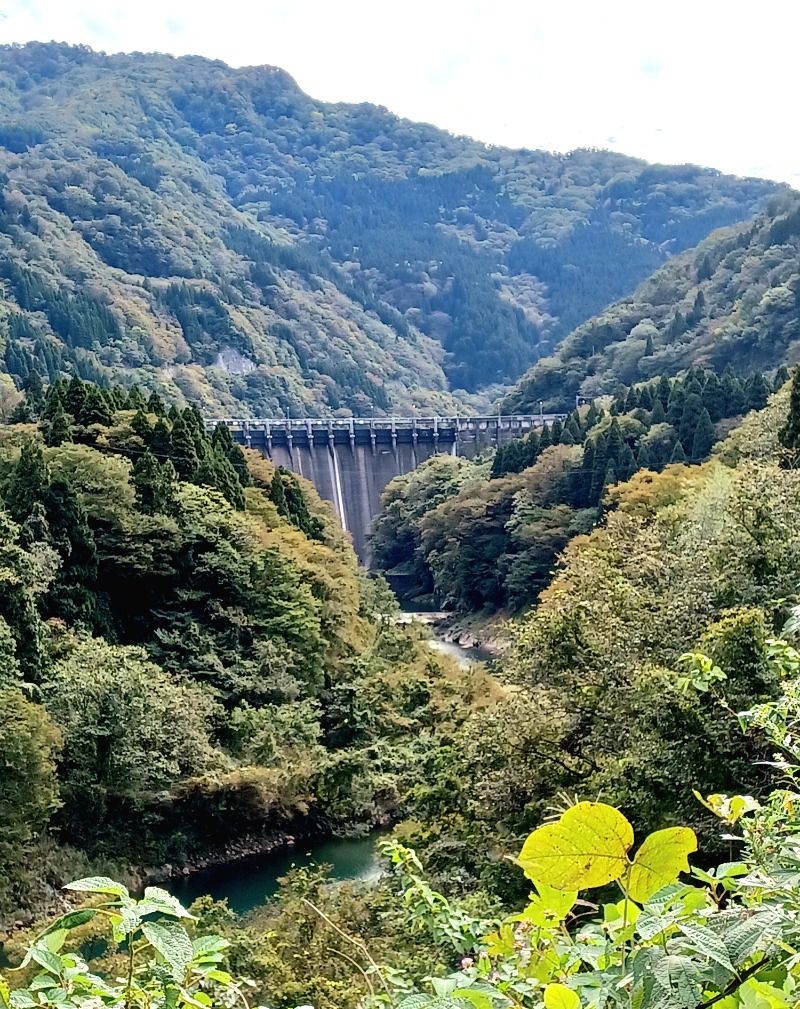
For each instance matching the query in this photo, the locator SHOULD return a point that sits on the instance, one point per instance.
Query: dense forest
(734, 300)
(220, 238)
(658, 675)
(190, 655)
(484, 535)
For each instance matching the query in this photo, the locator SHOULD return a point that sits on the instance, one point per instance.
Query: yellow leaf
(558, 996)
(558, 901)
(585, 847)
(660, 860)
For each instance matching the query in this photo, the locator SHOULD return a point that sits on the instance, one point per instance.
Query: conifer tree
(57, 430)
(658, 415)
(643, 458)
(95, 408)
(781, 378)
(155, 404)
(183, 452)
(161, 440)
(545, 441)
(692, 411)
(678, 455)
(626, 466)
(756, 391)
(663, 391)
(789, 434)
(136, 400)
(703, 437)
(74, 397)
(277, 495)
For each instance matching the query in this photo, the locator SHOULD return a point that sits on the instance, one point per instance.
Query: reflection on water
(249, 882)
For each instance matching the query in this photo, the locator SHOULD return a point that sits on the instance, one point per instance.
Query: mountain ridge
(219, 235)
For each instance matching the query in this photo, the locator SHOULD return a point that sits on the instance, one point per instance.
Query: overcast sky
(708, 81)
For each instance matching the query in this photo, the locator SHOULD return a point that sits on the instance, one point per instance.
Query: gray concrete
(350, 461)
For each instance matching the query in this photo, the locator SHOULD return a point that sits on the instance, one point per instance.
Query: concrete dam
(351, 460)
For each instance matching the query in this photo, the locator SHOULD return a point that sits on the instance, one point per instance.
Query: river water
(248, 882)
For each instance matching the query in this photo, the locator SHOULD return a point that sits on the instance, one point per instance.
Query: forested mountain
(655, 684)
(219, 236)
(734, 300)
(484, 535)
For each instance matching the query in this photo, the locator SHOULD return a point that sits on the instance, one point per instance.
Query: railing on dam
(265, 433)
(350, 460)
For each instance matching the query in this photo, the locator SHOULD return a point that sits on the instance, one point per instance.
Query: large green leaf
(172, 942)
(156, 899)
(98, 884)
(5, 995)
(678, 977)
(585, 847)
(663, 856)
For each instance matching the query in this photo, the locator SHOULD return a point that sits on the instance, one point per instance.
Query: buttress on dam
(351, 460)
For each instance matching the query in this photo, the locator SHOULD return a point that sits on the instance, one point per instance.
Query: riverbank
(479, 636)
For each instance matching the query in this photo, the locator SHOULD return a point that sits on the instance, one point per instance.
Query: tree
(183, 451)
(155, 404)
(789, 434)
(643, 458)
(678, 455)
(703, 437)
(154, 483)
(95, 408)
(690, 417)
(222, 441)
(277, 494)
(58, 429)
(29, 742)
(74, 398)
(756, 391)
(27, 483)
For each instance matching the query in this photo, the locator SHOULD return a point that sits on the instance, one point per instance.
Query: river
(248, 882)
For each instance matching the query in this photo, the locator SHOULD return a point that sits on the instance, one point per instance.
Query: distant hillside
(733, 300)
(219, 235)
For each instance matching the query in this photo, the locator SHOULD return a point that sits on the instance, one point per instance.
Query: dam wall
(350, 461)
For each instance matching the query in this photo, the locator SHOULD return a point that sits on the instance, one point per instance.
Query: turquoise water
(249, 882)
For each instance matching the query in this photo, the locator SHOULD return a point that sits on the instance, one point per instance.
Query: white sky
(708, 81)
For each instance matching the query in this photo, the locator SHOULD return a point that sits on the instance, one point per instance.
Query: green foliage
(161, 963)
(237, 298)
(730, 302)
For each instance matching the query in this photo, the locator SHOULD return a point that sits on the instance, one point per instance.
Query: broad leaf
(72, 920)
(50, 961)
(478, 999)
(172, 942)
(707, 943)
(98, 884)
(585, 847)
(210, 944)
(678, 976)
(560, 902)
(558, 996)
(5, 995)
(663, 856)
(161, 900)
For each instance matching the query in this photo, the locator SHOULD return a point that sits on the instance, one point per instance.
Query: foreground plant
(164, 967)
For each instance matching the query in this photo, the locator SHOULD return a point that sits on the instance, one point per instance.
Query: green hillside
(219, 236)
(734, 300)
